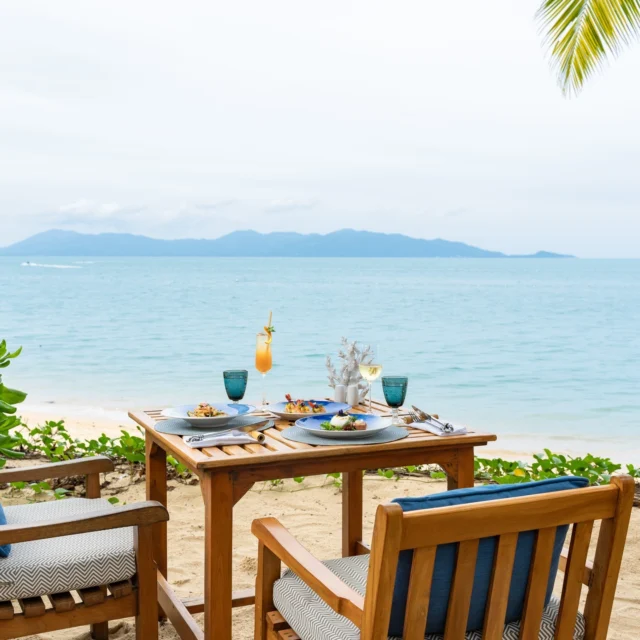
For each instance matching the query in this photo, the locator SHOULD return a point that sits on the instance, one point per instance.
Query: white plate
(374, 425)
(181, 412)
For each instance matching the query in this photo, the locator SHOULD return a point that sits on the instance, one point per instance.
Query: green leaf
(10, 453)
(113, 500)
(6, 407)
(582, 34)
(15, 354)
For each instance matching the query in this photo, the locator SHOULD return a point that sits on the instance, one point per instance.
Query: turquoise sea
(544, 352)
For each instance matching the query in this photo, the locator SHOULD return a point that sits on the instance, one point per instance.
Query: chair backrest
(423, 531)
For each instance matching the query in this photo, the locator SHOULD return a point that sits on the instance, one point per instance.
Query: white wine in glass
(370, 372)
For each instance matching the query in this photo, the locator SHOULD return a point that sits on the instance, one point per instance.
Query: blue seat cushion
(446, 557)
(5, 548)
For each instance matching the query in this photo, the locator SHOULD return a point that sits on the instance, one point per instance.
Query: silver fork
(443, 426)
(418, 420)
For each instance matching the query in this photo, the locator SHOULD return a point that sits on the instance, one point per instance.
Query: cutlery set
(418, 416)
(260, 437)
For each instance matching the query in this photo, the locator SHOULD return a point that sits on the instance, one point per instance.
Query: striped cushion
(5, 549)
(70, 562)
(312, 619)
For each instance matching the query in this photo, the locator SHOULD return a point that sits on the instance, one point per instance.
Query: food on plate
(302, 406)
(205, 410)
(344, 422)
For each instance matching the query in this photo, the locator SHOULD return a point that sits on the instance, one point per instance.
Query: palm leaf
(582, 34)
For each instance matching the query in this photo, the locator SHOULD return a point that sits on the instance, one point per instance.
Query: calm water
(546, 353)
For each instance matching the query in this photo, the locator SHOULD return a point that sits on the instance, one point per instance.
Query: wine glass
(235, 383)
(395, 392)
(370, 371)
(264, 360)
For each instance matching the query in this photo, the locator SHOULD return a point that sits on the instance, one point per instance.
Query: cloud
(290, 204)
(215, 206)
(75, 207)
(179, 219)
(84, 210)
(454, 213)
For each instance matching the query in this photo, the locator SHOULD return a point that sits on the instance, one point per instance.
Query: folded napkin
(437, 430)
(221, 439)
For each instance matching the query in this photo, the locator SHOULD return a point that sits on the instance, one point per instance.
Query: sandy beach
(311, 511)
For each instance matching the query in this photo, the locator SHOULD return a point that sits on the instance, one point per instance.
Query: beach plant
(53, 442)
(546, 465)
(40, 490)
(9, 398)
(582, 34)
(634, 472)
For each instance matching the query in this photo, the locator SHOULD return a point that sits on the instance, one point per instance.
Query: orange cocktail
(264, 360)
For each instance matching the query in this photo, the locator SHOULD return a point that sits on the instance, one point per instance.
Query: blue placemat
(380, 437)
(177, 427)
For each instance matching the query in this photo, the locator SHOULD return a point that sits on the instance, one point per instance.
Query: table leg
(217, 490)
(156, 473)
(460, 471)
(351, 513)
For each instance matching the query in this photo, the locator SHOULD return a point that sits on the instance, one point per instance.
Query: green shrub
(547, 465)
(53, 442)
(9, 398)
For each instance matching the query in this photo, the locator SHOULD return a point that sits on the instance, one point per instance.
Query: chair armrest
(564, 558)
(338, 595)
(80, 467)
(134, 515)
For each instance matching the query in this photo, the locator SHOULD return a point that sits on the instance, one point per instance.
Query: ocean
(545, 353)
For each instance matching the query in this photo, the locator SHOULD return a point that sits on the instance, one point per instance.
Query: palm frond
(582, 34)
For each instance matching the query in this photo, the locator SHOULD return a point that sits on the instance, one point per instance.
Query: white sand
(313, 512)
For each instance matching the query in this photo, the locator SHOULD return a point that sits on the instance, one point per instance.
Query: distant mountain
(344, 243)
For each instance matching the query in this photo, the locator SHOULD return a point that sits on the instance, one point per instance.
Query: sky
(196, 118)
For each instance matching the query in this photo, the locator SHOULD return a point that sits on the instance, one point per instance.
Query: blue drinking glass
(395, 391)
(235, 383)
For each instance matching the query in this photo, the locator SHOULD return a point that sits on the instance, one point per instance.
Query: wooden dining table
(227, 473)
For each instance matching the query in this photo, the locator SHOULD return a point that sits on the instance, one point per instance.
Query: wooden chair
(88, 579)
(422, 531)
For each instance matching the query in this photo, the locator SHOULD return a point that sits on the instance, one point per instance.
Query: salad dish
(293, 410)
(344, 422)
(343, 425)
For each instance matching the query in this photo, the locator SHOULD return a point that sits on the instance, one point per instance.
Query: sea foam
(50, 266)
